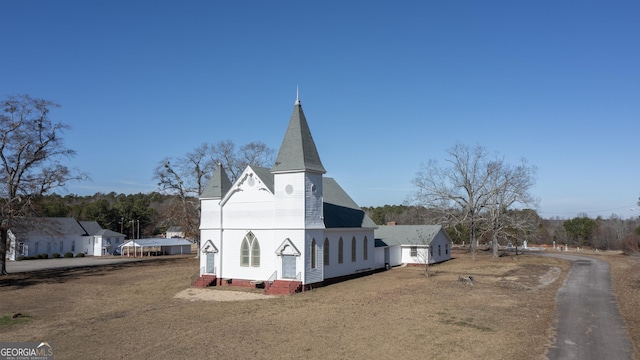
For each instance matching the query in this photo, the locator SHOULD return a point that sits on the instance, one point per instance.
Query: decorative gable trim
(252, 178)
(287, 248)
(209, 247)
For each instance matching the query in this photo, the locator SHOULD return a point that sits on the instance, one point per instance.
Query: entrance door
(210, 269)
(288, 266)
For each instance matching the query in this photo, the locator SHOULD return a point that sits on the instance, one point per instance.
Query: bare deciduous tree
(509, 187)
(31, 147)
(459, 190)
(187, 176)
(474, 188)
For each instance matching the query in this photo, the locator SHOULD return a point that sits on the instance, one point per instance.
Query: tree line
(477, 196)
(612, 233)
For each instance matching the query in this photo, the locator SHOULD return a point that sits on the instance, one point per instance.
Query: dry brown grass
(129, 311)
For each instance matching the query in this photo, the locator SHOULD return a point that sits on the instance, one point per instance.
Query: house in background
(33, 236)
(105, 241)
(413, 244)
(174, 232)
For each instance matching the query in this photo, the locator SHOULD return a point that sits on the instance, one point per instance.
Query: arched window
(244, 253)
(325, 252)
(250, 251)
(365, 250)
(313, 253)
(353, 249)
(340, 251)
(255, 253)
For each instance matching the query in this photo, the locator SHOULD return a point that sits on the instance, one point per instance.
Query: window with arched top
(365, 250)
(325, 252)
(250, 251)
(340, 251)
(353, 249)
(313, 253)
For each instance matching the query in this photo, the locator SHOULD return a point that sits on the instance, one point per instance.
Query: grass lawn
(129, 311)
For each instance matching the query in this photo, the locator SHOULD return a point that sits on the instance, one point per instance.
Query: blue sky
(385, 86)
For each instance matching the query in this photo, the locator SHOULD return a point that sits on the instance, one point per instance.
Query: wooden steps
(204, 281)
(283, 287)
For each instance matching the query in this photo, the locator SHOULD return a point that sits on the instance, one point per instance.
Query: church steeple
(298, 151)
(218, 185)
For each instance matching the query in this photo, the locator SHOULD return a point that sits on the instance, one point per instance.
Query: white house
(174, 232)
(412, 244)
(33, 236)
(286, 224)
(105, 241)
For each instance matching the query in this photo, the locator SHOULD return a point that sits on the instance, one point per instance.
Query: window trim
(325, 252)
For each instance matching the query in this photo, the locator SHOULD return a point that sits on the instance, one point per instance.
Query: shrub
(20, 258)
(55, 255)
(68, 255)
(80, 255)
(42, 256)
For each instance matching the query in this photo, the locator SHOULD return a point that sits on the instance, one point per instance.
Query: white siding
(289, 197)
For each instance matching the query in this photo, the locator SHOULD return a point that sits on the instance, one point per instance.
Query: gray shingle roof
(156, 242)
(109, 233)
(55, 226)
(340, 210)
(92, 227)
(298, 150)
(218, 185)
(265, 175)
(407, 234)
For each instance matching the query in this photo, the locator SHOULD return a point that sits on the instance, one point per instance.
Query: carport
(155, 247)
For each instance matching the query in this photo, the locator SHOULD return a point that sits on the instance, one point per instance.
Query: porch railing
(271, 279)
(196, 275)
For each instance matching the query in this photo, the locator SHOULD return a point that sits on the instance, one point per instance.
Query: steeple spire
(298, 151)
(297, 97)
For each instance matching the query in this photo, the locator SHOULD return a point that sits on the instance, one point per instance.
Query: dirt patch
(211, 294)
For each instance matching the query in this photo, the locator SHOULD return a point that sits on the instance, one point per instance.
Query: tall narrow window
(353, 249)
(413, 251)
(446, 249)
(340, 251)
(365, 250)
(313, 253)
(73, 246)
(250, 251)
(244, 253)
(325, 252)
(255, 253)
(439, 252)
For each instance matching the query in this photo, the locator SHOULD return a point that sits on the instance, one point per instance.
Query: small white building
(174, 232)
(105, 241)
(412, 244)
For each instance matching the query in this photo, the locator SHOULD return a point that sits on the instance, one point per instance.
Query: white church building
(288, 223)
(288, 227)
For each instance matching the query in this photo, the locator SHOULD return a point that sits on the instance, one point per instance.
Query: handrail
(299, 276)
(271, 279)
(196, 276)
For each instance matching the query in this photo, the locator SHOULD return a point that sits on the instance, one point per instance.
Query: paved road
(587, 319)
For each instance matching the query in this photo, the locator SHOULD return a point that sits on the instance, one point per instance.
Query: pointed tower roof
(298, 151)
(218, 185)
